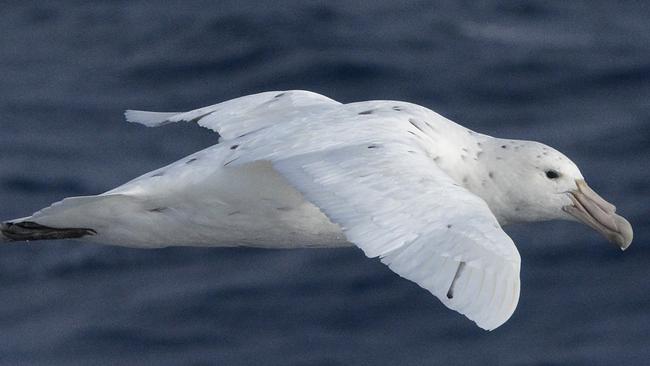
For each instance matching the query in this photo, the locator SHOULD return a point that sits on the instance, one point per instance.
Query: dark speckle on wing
(230, 161)
(414, 122)
(157, 209)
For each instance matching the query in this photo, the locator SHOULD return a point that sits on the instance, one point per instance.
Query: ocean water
(574, 75)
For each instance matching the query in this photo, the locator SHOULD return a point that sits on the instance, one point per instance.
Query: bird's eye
(552, 174)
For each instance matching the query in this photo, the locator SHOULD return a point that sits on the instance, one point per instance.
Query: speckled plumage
(297, 169)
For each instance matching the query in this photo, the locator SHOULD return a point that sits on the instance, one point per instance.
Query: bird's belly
(248, 205)
(259, 208)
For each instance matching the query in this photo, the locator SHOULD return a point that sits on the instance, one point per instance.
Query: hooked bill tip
(626, 233)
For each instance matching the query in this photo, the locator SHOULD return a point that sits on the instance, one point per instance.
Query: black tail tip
(29, 230)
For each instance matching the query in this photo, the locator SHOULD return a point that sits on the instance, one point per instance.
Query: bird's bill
(591, 209)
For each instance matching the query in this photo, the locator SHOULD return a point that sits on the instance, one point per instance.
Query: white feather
(299, 169)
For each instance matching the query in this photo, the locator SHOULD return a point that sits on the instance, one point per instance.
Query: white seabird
(297, 169)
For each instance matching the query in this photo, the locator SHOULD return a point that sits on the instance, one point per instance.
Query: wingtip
(491, 324)
(149, 119)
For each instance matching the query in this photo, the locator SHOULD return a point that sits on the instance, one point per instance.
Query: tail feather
(27, 231)
(71, 218)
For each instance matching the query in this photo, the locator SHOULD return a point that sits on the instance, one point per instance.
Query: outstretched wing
(396, 204)
(378, 183)
(243, 115)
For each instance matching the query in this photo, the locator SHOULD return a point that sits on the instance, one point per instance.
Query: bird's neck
(479, 163)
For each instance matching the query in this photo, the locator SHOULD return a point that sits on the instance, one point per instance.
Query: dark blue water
(574, 75)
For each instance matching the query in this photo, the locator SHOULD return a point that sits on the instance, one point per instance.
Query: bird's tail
(29, 230)
(72, 218)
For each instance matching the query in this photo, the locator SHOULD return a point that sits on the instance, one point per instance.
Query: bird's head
(543, 184)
